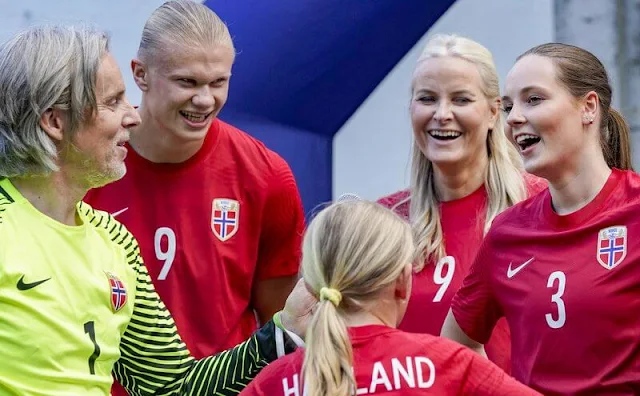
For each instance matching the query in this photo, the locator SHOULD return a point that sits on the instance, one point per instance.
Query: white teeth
(522, 138)
(442, 133)
(193, 117)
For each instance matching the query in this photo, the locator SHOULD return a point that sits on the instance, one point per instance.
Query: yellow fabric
(46, 330)
(55, 295)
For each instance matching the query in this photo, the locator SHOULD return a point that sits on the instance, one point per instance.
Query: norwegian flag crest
(225, 218)
(612, 246)
(118, 292)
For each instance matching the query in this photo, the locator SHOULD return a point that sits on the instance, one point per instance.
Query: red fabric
(573, 321)
(462, 222)
(431, 365)
(208, 287)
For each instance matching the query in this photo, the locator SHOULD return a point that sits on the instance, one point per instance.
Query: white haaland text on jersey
(414, 372)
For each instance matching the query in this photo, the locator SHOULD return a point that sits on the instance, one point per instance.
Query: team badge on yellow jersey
(118, 292)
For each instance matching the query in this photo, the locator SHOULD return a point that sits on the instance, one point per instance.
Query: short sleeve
(498, 348)
(474, 306)
(398, 202)
(485, 378)
(534, 184)
(278, 377)
(282, 225)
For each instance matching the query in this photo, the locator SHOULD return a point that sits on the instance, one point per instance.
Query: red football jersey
(392, 362)
(462, 223)
(569, 287)
(208, 228)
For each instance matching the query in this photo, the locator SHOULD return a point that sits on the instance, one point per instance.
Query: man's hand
(298, 309)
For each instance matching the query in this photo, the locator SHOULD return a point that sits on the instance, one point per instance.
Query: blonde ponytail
(328, 355)
(351, 251)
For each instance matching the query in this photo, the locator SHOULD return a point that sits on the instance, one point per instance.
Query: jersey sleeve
(270, 380)
(534, 184)
(282, 225)
(398, 202)
(388, 201)
(474, 305)
(498, 348)
(155, 361)
(484, 378)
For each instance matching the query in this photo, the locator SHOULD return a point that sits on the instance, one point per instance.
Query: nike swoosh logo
(511, 272)
(114, 214)
(26, 286)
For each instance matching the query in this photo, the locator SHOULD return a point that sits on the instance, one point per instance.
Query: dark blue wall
(304, 67)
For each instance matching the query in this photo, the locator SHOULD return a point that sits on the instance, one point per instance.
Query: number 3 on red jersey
(556, 298)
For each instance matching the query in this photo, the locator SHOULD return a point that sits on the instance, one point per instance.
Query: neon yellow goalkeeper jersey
(76, 304)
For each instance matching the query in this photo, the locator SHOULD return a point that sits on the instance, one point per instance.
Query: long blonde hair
(503, 181)
(353, 249)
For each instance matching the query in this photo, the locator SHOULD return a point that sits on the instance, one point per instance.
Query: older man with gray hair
(77, 302)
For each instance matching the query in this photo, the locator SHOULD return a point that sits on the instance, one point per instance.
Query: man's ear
(140, 74)
(53, 122)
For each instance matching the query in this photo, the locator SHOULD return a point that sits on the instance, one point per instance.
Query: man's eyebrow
(115, 93)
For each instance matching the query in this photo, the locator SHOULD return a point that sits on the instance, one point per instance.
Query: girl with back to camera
(357, 258)
(563, 267)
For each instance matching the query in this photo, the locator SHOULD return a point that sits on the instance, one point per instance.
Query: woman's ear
(403, 283)
(494, 109)
(590, 107)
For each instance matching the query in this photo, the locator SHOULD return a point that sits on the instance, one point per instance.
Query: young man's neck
(55, 195)
(154, 143)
